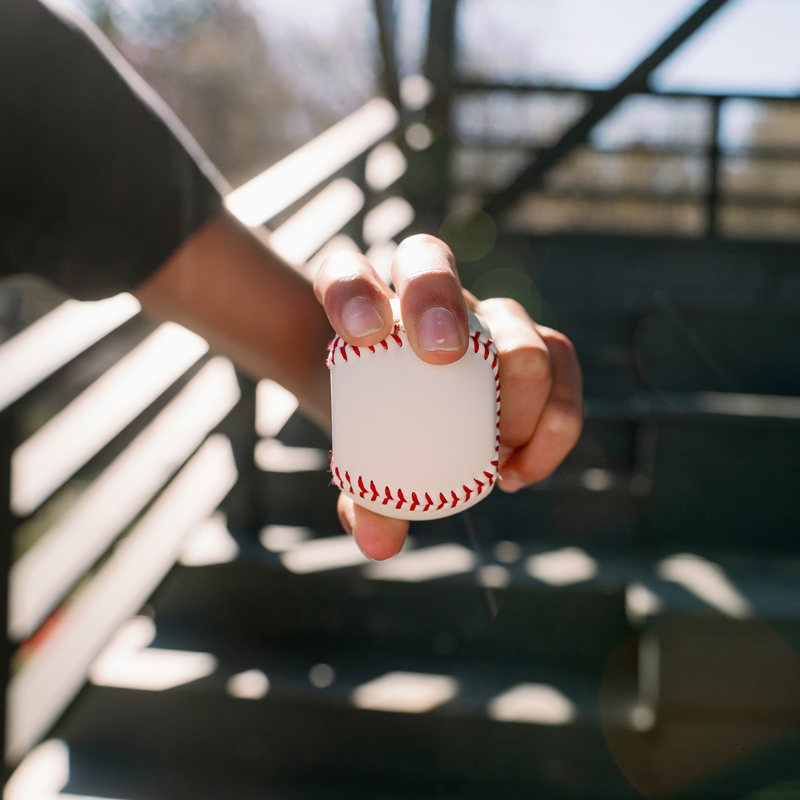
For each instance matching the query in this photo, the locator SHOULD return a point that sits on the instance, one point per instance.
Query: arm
(227, 285)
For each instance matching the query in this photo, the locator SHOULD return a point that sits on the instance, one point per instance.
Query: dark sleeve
(99, 181)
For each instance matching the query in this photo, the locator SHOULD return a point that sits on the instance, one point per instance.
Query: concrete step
(388, 721)
(568, 604)
(439, 596)
(404, 722)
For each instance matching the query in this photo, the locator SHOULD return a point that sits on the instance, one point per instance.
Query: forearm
(225, 284)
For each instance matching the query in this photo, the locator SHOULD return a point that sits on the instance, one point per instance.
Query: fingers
(433, 308)
(559, 426)
(355, 299)
(525, 369)
(434, 313)
(377, 537)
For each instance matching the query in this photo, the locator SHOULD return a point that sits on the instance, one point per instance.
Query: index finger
(432, 306)
(355, 299)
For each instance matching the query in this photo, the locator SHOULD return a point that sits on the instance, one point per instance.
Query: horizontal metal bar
(600, 196)
(725, 199)
(742, 200)
(530, 149)
(674, 404)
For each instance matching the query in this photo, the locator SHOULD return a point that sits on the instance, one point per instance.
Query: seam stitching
(480, 346)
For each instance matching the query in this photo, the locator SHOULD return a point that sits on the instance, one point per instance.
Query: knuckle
(558, 339)
(526, 365)
(513, 307)
(565, 420)
(504, 306)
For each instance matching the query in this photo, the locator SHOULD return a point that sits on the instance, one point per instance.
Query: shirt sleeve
(99, 181)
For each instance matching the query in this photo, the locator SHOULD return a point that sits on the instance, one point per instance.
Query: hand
(539, 372)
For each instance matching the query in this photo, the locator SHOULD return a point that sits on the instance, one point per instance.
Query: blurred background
(186, 617)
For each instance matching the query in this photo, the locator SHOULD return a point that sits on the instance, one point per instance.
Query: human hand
(539, 372)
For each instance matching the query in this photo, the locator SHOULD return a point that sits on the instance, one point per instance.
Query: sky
(749, 46)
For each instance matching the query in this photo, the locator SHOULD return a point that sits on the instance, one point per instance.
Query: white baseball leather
(412, 440)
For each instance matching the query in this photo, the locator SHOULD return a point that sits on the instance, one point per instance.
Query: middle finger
(433, 309)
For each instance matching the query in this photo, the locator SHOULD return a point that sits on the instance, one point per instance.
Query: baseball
(412, 440)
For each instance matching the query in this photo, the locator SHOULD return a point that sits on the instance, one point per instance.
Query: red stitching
(401, 499)
(487, 344)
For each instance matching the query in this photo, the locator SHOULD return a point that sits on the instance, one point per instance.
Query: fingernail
(510, 481)
(360, 318)
(438, 330)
